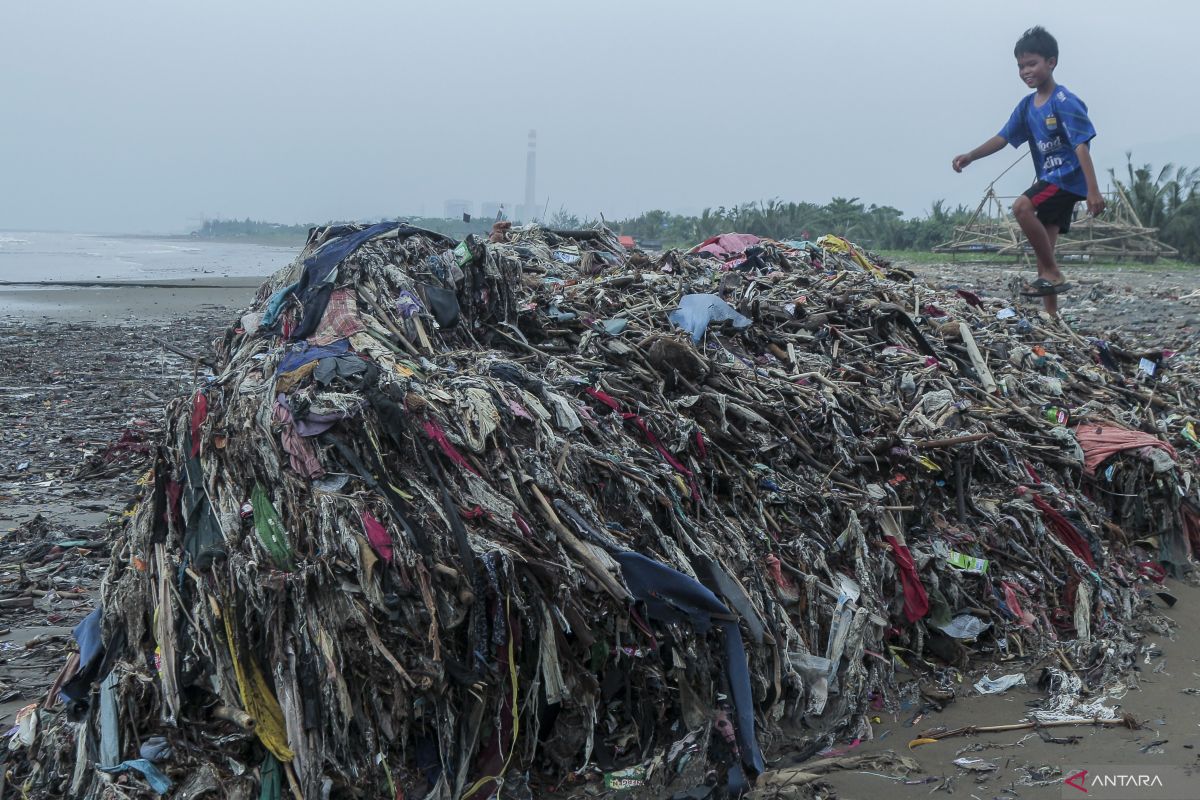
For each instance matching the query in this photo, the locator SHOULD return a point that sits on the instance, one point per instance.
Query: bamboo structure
(1118, 235)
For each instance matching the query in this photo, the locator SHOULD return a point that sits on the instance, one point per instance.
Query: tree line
(872, 226)
(1167, 198)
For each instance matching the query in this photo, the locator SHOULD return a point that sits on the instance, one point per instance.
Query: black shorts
(1054, 204)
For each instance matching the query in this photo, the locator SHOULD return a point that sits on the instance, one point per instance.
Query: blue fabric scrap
(87, 635)
(154, 776)
(302, 353)
(275, 303)
(671, 596)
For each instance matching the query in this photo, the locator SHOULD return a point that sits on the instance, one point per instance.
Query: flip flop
(1042, 287)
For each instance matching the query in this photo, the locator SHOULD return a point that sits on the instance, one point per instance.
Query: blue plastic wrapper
(697, 311)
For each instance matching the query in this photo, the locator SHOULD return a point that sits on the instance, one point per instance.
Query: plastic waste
(987, 685)
(697, 311)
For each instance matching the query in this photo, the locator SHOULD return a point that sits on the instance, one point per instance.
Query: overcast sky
(143, 116)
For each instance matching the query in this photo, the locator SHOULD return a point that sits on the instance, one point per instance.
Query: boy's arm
(992, 145)
(1095, 200)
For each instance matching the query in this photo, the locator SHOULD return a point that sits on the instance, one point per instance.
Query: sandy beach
(125, 303)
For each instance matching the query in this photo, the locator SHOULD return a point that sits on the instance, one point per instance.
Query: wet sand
(83, 386)
(1132, 303)
(116, 303)
(1156, 699)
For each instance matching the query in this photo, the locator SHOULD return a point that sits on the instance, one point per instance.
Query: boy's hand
(1095, 203)
(961, 162)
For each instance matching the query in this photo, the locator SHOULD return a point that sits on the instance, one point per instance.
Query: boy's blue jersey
(1053, 132)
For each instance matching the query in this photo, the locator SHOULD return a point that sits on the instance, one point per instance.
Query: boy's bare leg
(1042, 239)
(1050, 301)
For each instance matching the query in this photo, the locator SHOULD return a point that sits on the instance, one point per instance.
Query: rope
(1020, 158)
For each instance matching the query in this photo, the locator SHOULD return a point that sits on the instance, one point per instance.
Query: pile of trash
(538, 516)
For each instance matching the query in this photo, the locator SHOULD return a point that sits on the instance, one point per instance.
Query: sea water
(41, 256)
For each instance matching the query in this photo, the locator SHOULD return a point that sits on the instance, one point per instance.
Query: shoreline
(124, 302)
(221, 282)
(260, 241)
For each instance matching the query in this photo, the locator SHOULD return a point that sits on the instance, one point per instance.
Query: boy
(1056, 125)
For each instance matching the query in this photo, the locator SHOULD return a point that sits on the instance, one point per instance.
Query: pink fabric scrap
(301, 455)
(1100, 442)
(785, 584)
(727, 244)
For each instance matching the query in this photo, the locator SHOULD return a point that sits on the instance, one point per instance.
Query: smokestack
(530, 177)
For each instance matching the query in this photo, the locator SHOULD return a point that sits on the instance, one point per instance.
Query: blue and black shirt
(1053, 131)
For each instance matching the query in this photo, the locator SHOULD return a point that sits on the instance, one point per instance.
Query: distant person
(1055, 123)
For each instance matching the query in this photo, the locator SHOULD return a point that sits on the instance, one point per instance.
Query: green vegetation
(874, 227)
(252, 231)
(1168, 199)
(258, 232)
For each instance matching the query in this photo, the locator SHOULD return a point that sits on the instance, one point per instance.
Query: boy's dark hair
(1037, 40)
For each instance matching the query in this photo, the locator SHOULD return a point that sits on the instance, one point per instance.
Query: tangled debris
(539, 516)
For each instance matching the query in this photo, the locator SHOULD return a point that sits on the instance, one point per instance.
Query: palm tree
(1156, 197)
(844, 213)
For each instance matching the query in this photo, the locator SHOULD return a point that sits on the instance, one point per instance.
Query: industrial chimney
(530, 209)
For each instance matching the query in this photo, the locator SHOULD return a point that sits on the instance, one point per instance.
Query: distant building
(456, 208)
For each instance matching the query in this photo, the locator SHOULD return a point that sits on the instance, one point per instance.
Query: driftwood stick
(927, 737)
(179, 351)
(577, 547)
(929, 444)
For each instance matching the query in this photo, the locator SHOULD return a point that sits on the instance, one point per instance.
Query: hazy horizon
(136, 117)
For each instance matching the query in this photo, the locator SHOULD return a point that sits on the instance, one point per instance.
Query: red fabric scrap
(522, 525)
(607, 399)
(174, 493)
(435, 432)
(970, 297)
(650, 437)
(1065, 531)
(1152, 570)
(629, 416)
(199, 414)
(916, 600)
(377, 535)
(1191, 527)
(1024, 618)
